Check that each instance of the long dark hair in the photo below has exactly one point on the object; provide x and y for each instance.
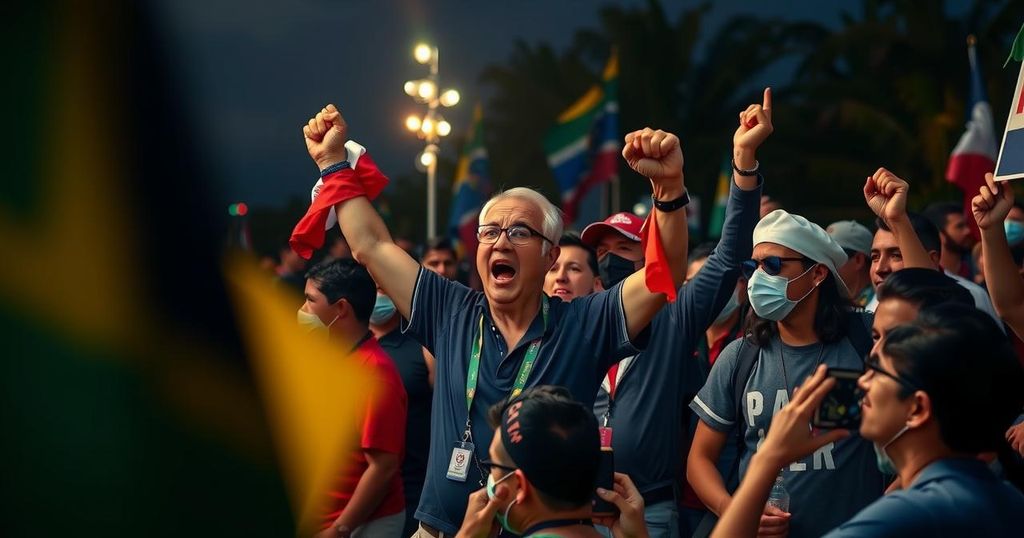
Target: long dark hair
(829, 319)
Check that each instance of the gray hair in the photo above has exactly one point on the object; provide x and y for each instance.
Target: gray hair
(552, 225)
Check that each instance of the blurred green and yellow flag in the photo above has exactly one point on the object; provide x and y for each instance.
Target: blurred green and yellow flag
(149, 386)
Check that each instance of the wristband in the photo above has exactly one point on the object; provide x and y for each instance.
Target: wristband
(748, 173)
(334, 168)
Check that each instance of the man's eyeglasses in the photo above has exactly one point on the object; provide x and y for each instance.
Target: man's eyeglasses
(771, 265)
(872, 363)
(487, 465)
(518, 234)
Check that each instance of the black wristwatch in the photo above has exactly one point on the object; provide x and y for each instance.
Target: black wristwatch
(671, 205)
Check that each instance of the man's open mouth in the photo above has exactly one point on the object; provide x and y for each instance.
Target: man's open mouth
(502, 272)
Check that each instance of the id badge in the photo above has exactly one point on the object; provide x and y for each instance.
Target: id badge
(458, 467)
(606, 436)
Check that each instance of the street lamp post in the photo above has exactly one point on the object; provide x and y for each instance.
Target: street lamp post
(432, 126)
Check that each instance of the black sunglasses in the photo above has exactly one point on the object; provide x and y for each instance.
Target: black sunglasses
(771, 265)
(872, 363)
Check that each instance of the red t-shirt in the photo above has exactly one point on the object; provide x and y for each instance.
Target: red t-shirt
(383, 429)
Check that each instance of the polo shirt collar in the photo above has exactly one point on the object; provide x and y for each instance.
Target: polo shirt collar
(949, 467)
(534, 331)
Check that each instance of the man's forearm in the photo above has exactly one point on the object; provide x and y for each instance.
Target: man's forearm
(672, 227)
(1002, 276)
(391, 267)
(742, 516)
(362, 227)
(373, 486)
(707, 483)
(913, 251)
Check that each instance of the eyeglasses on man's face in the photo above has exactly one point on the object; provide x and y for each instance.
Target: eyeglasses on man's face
(518, 234)
(873, 363)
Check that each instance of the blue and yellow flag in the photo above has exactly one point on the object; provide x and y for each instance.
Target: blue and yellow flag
(584, 146)
(470, 188)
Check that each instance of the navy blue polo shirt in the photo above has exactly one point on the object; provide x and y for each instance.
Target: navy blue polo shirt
(950, 497)
(583, 338)
(649, 411)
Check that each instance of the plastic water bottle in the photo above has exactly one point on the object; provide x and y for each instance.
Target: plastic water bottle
(779, 497)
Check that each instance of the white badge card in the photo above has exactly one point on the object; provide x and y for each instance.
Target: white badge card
(458, 467)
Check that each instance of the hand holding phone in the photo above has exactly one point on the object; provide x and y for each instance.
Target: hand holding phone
(841, 406)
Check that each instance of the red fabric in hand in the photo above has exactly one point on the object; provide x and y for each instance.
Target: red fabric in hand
(658, 272)
(346, 184)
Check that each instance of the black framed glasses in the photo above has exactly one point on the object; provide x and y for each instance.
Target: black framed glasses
(771, 265)
(872, 363)
(518, 234)
(487, 465)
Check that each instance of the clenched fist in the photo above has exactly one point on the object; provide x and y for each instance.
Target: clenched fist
(992, 204)
(326, 134)
(658, 156)
(886, 195)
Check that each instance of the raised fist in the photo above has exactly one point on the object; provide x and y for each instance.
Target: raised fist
(992, 204)
(755, 124)
(655, 155)
(886, 195)
(326, 134)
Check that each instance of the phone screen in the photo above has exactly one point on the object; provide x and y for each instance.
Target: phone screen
(841, 406)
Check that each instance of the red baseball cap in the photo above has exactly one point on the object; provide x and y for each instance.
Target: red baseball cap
(625, 224)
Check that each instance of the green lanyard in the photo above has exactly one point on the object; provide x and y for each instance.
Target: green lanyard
(529, 360)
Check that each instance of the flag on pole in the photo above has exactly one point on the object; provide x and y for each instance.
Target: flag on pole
(1017, 50)
(975, 153)
(472, 184)
(721, 198)
(584, 145)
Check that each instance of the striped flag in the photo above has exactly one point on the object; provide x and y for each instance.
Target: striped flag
(721, 198)
(975, 153)
(471, 185)
(584, 145)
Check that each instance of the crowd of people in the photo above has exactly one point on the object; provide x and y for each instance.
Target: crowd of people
(615, 382)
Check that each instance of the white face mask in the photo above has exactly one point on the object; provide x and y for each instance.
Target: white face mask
(312, 323)
(768, 294)
(882, 460)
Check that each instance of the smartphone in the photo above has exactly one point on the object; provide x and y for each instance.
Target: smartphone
(841, 406)
(606, 480)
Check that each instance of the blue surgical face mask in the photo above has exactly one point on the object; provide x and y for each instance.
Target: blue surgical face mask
(1014, 231)
(491, 494)
(383, 310)
(768, 294)
(729, 308)
(882, 459)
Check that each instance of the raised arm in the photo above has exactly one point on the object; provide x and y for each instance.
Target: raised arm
(393, 269)
(886, 195)
(1005, 285)
(656, 155)
(705, 295)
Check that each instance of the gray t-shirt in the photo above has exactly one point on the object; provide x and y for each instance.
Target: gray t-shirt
(826, 488)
